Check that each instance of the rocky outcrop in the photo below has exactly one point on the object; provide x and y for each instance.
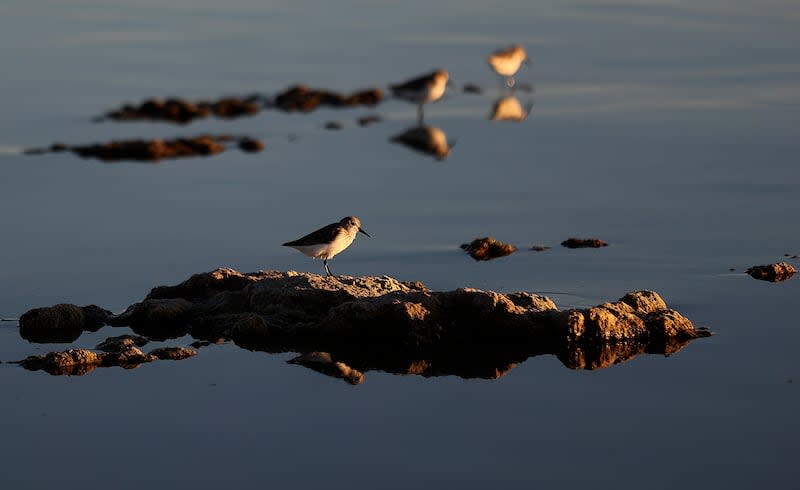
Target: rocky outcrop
(777, 272)
(61, 323)
(347, 326)
(156, 149)
(488, 248)
(303, 99)
(183, 111)
(583, 243)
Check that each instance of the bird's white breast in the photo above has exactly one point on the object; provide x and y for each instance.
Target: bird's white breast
(326, 251)
(436, 90)
(505, 65)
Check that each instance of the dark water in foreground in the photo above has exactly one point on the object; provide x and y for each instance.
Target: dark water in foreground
(668, 129)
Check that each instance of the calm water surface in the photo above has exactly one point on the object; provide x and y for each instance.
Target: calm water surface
(667, 128)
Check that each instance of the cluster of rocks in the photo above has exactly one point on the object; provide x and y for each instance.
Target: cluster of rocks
(122, 351)
(183, 111)
(156, 149)
(349, 325)
(303, 99)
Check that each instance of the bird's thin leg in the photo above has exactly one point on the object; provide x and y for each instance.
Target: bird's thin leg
(420, 115)
(328, 271)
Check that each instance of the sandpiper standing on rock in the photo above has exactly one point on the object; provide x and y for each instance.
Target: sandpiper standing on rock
(427, 88)
(506, 62)
(329, 240)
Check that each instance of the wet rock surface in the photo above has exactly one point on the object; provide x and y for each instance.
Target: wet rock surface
(303, 99)
(182, 111)
(583, 243)
(369, 120)
(173, 353)
(250, 145)
(777, 272)
(148, 150)
(488, 248)
(345, 326)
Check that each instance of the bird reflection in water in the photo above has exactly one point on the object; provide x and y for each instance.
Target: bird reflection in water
(509, 108)
(428, 140)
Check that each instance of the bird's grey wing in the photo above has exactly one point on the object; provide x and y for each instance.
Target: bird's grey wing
(325, 234)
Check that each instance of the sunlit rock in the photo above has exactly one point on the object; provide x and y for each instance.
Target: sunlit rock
(777, 272)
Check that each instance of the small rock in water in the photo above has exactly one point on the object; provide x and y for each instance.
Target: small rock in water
(369, 120)
(250, 145)
(323, 362)
(488, 248)
(539, 248)
(777, 272)
(584, 243)
(121, 343)
(301, 98)
(333, 125)
(471, 88)
(173, 353)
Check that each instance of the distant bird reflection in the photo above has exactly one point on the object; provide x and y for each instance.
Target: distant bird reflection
(428, 140)
(427, 88)
(506, 62)
(509, 108)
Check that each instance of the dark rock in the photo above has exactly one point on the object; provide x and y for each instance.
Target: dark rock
(333, 125)
(428, 140)
(369, 120)
(777, 272)
(584, 243)
(61, 323)
(539, 248)
(173, 353)
(304, 99)
(58, 147)
(251, 145)
(488, 248)
(471, 88)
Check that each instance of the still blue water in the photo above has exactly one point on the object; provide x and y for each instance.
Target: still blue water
(667, 128)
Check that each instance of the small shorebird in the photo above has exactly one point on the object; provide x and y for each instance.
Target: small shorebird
(427, 88)
(506, 62)
(329, 240)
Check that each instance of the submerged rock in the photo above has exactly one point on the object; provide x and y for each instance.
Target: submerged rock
(304, 99)
(488, 248)
(334, 126)
(61, 323)
(777, 272)
(351, 325)
(540, 248)
(121, 343)
(583, 243)
(471, 88)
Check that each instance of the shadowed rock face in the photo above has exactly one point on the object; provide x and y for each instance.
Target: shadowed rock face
(778, 272)
(350, 325)
(488, 248)
(183, 111)
(304, 99)
(61, 323)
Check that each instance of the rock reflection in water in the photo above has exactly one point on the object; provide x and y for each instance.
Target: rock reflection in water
(509, 108)
(428, 140)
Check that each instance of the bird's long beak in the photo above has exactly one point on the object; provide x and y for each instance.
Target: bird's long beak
(364, 232)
